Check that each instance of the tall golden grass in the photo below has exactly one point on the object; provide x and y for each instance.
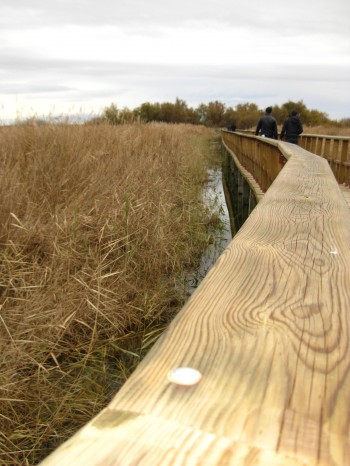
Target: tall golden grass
(97, 226)
(328, 130)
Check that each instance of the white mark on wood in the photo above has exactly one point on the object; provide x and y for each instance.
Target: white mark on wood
(184, 376)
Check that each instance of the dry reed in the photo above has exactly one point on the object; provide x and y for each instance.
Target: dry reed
(97, 226)
(328, 130)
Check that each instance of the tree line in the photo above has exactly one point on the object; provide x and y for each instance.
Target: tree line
(213, 114)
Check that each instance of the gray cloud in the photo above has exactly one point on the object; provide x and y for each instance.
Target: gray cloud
(27, 71)
(110, 12)
(288, 19)
(30, 87)
(321, 87)
(27, 67)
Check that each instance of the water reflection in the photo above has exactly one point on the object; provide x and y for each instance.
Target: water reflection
(221, 234)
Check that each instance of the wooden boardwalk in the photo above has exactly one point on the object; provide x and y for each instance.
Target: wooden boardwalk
(345, 190)
(268, 331)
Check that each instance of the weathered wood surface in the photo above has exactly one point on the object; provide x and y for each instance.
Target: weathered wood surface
(269, 330)
(258, 155)
(336, 149)
(254, 186)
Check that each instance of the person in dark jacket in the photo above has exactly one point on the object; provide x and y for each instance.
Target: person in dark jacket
(292, 127)
(267, 125)
(231, 127)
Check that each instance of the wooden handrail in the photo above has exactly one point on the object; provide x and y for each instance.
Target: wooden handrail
(335, 149)
(268, 330)
(262, 157)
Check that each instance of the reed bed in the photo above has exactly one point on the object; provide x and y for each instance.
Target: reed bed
(328, 130)
(97, 226)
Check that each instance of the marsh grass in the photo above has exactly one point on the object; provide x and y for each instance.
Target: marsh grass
(328, 130)
(97, 226)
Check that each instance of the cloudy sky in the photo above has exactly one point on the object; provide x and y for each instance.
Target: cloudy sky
(79, 56)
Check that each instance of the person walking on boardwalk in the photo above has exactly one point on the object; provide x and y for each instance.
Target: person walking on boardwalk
(292, 127)
(267, 125)
(231, 127)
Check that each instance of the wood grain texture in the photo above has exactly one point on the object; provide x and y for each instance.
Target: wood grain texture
(269, 330)
(336, 149)
(258, 155)
(346, 193)
(253, 185)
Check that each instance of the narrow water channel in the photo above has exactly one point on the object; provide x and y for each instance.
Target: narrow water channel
(221, 234)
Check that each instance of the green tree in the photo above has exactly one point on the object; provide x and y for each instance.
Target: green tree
(315, 118)
(177, 112)
(149, 112)
(110, 114)
(215, 114)
(280, 113)
(247, 115)
(126, 115)
(181, 111)
(202, 111)
(299, 106)
(166, 112)
(230, 116)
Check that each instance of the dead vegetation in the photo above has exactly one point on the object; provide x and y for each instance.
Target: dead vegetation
(97, 225)
(328, 130)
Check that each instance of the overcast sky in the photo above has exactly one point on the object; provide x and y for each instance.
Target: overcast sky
(79, 56)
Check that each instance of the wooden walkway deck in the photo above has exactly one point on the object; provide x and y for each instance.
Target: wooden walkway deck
(345, 190)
